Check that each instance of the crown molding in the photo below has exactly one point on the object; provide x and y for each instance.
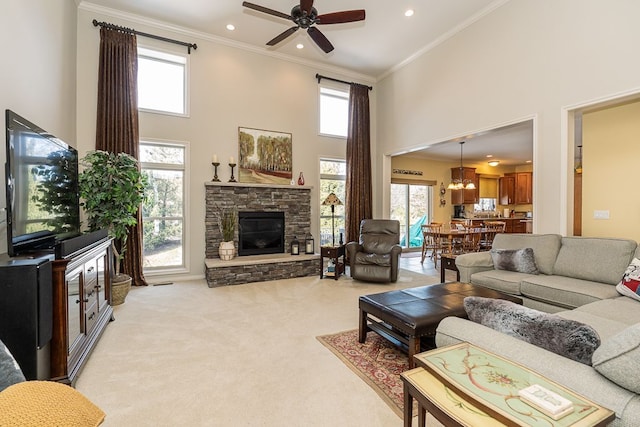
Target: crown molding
(161, 25)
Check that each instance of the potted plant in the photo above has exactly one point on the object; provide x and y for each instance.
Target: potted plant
(227, 220)
(112, 189)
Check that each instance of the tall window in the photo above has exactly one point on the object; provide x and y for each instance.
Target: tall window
(163, 210)
(333, 175)
(334, 111)
(162, 82)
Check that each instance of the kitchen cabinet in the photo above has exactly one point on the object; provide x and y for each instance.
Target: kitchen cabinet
(524, 188)
(516, 188)
(517, 226)
(461, 197)
(507, 189)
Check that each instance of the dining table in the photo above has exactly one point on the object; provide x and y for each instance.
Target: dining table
(453, 233)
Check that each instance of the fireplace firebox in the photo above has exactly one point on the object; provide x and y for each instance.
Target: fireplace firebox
(260, 233)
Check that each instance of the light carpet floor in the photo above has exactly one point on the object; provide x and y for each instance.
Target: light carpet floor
(244, 355)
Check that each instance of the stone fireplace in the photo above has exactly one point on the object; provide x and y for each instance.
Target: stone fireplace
(293, 202)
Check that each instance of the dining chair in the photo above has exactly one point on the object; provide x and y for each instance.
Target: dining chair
(472, 238)
(457, 242)
(491, 228)
(457, 224)
(431, 240)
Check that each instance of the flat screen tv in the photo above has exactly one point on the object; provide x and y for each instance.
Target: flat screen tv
(41, 172)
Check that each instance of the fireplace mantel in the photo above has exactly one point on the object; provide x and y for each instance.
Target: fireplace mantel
(256, 185)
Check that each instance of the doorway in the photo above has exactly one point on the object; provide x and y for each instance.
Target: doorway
(601, 140)
(411, 206)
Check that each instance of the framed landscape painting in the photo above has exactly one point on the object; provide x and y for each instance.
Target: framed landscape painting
(265, 156)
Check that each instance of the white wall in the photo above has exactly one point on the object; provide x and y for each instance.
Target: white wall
(37, 41)
(230, 87)
(527, 58)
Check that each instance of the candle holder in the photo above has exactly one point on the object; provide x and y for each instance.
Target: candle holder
(232, 179)
(215, 171)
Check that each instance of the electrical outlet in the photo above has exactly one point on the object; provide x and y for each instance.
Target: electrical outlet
(600, 214)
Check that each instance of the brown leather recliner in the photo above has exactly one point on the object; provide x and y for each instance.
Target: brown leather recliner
(375, 257)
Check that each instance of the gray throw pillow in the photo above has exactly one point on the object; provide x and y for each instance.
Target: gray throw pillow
(10, 372)
(617, 358)
(568, 338)
(520, 260)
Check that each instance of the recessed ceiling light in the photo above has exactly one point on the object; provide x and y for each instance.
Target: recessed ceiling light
(408, 12)
(489, 156)
(494, 163)
(300, 46)
(231, 27)
(529, 161)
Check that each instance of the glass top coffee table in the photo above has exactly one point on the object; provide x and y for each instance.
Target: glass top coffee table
(466, 385)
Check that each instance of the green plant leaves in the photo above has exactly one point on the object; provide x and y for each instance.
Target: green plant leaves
(112, 190)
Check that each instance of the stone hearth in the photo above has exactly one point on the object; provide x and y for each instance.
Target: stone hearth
(259, 268)
(293, 200)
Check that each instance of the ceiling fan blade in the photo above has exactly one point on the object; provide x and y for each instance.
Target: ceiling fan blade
(320, 39)
(266, 10)
(342, 17)
(277, 39)
(306, 5)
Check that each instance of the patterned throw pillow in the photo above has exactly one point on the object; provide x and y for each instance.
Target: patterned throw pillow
(630, 283)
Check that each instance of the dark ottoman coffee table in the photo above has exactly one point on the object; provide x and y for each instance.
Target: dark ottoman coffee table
(406, 316)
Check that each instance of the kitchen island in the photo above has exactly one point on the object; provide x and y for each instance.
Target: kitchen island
(516, 224)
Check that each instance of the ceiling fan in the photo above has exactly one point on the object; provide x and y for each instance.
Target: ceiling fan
(305, 16)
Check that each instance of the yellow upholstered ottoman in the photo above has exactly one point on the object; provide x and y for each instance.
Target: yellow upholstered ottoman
(45, 403)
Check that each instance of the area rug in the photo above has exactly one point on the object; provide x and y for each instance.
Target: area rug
(378, 362)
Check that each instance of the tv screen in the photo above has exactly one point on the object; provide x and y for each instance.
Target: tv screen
(42, 187)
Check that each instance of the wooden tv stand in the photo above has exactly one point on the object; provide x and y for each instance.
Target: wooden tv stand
(81, 307)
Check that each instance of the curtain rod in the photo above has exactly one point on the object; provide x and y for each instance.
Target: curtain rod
(151, 36)
(320, 77)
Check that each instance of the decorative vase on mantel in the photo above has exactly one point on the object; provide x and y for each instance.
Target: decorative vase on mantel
(227, 250)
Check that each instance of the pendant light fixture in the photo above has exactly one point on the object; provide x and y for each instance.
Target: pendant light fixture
(460, 183)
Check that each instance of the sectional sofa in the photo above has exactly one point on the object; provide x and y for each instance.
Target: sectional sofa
(575, 279)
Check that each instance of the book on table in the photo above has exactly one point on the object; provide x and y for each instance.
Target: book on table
(546, 401)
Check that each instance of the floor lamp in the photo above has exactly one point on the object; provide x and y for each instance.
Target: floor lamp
(333, 201)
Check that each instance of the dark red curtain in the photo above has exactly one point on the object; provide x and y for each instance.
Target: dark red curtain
(117, 122)
(358, 205)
